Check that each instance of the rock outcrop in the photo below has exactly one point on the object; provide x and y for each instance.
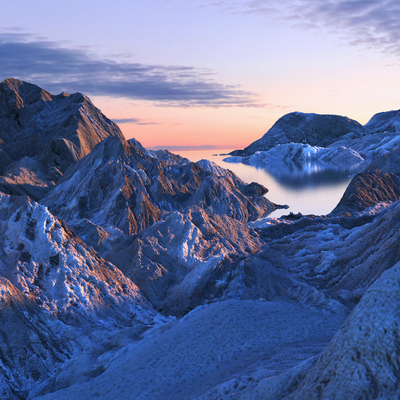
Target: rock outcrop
(388, 121)
(58, 296)
(313, 129)
(42, 134)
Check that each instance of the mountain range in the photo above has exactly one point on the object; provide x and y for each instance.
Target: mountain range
(137, 274)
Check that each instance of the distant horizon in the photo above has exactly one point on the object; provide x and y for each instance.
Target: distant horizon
(199, 147)
(186, 148)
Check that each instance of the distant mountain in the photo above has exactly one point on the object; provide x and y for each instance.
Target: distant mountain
(313, 129)
(388, 121)
(42, 134)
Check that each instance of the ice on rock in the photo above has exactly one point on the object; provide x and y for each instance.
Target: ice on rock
(303, 158)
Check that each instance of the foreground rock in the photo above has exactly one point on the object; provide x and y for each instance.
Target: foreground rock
(211, 345)
(58, 297)
(362, 358)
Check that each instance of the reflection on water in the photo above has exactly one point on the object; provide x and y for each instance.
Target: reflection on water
(316, 191)
(297, 176)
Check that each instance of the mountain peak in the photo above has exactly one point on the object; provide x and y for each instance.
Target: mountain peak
(50, 131)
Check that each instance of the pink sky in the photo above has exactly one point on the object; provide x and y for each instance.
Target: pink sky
(204, 72)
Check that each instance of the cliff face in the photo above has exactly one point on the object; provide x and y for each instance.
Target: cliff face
(41, 135)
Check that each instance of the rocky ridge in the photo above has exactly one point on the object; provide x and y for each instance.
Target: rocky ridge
(139, 274)
(43, 134)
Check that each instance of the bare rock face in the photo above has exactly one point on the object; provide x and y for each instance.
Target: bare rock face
(181, 261)
(44, 134)
(379, 182)
(367, 189)
(121, 188)
(314, 129)
(58, 297)
(361, 361)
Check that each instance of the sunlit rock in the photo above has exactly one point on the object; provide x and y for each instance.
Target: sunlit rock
(42, 134)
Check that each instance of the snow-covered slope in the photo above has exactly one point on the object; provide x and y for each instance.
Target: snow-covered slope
(58, 296)
(313, 129)
(294, 160)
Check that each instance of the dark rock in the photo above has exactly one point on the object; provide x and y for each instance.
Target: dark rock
(367, 189)
(254, 189)
(41, 135)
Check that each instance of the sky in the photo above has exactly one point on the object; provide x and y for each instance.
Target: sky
(201, 73)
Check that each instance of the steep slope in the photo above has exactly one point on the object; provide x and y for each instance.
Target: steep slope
(362, 359)
(120, 189)
(184, 260)
(58, 297)
(41, 135)
(379, 182)
(388, 121)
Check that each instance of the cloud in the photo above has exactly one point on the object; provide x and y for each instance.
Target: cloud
(136, 121)
(371, 23)
(57, 68)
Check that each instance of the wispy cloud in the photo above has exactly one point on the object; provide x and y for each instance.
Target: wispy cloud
(135, 121)
(57, 68)
(372, 23)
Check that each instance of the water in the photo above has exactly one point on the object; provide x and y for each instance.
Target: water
(303, 192)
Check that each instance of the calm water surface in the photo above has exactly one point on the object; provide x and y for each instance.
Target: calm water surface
(306, 193)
